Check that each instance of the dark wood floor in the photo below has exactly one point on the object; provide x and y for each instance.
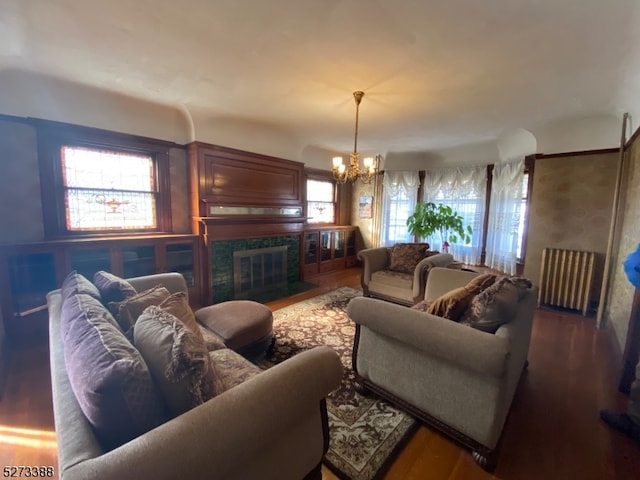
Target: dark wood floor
(553, 431)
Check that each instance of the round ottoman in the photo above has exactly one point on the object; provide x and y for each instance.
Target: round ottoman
(244, 326)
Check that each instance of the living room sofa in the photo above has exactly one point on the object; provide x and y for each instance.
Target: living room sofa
(272, 425)
(404, 286)
(458, 379)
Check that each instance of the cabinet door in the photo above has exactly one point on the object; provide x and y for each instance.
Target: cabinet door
(180, 257)
(326, 251)
(311, 256)
(88, 261)
(350, 241)
(138, 261)
(31, 277)
(338, 249)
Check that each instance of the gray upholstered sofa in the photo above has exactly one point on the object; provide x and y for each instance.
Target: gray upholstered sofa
(458, 379)
(273, 425)
(380, 281)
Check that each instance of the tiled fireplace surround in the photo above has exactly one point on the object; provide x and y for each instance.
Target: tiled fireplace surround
(221, 254)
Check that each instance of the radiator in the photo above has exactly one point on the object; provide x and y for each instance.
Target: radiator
(566, 277)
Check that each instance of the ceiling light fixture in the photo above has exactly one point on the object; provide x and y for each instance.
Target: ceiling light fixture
(352, 172)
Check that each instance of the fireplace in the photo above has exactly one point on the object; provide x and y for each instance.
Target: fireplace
(223, 257)
(259, 270)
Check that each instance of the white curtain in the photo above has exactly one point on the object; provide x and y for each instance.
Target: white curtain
(464, 190)
(504, 216)
(399, 197)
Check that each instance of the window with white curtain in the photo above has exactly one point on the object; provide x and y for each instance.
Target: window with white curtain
(464, 190)
(399, 197)
(506, 216)
(523, 216)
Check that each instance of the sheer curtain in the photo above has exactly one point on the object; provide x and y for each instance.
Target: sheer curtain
(399, 197)
(504, 216)
(464, 190)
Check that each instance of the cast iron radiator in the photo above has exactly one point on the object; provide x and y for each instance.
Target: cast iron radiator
(566, 277)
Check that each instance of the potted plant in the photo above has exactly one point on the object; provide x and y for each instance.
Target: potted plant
(429, 218)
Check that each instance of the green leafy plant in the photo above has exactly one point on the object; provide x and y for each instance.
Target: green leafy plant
(429, 218)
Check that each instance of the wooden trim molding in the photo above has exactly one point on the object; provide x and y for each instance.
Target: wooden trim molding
(52, 135)
(577, 153)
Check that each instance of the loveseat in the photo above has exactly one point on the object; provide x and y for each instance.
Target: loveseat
(458, 379)
(399, 273)
(271, 425)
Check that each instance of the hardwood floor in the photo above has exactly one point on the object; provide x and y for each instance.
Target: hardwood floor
(553, 431)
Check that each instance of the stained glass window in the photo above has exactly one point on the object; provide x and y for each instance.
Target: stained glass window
(320, 201)
(108, 190)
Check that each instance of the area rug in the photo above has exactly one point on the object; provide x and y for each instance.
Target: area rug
(365, 433)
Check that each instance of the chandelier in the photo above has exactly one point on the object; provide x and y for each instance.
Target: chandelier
(352, 172)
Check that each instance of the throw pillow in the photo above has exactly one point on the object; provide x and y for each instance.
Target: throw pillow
(422, 306)
(405, 256)
(108, 376)
(76, 283)
(128, 310)
(178, 360)
(496, 305)
(452, 304)
(74, 307)
(177, 305)
(112, 288)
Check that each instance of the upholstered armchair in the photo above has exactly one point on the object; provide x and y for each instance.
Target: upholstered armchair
(399, 273)
(457, 376)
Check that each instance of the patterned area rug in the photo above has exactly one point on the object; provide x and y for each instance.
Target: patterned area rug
(365, 432)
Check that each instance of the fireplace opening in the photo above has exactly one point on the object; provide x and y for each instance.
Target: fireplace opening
(259, 270)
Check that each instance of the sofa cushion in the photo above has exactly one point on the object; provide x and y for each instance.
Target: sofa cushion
(75, 283)
(405, 256)
(108, 376)
(496, 305)
(128, 310)
(112, 288)
(393, 279)
(231, 368)
(178, 359)
(453, 304)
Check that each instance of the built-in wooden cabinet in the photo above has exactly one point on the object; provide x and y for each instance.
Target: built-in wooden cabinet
(327, 249)
(29, 271)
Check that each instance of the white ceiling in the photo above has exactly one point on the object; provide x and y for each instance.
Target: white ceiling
(436, 74)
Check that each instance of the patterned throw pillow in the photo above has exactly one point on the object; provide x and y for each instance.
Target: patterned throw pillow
(178, 359)
(453, 304)
(405, 256)
(496, 305)
(108, 376)
(76, 283)
(128, 310)
(112, 288)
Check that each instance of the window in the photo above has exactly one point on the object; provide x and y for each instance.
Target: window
(107, 190)
(100, 182)
(523, 217)
(463, 189)
(400, 194)
(397, 211)
(321, 201)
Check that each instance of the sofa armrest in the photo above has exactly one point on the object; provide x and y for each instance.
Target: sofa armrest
(245, 432)
(422, 271)
(173, 281)
(472, 349)
(373, 259)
